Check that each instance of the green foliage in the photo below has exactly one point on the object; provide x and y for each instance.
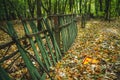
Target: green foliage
(28, 8)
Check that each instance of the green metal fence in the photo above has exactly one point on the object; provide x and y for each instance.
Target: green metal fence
(57, 35)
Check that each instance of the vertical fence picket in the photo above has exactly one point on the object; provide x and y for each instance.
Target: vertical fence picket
(4, 75)
(59, 34)
(33, 71)
(40, 43)
(57, 50)
(49, 44)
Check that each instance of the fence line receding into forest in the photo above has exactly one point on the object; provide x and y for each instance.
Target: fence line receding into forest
(44, 48)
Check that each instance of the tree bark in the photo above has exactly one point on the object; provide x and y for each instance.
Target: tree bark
(100, 2)
(107, 9)
(5, 8)
(31, 7)
(96, 7)
(39, 14)
(80, 6)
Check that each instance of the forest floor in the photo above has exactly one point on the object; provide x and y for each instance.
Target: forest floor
(95, 54)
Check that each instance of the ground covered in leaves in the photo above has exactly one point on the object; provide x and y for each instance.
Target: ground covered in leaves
(95, 55)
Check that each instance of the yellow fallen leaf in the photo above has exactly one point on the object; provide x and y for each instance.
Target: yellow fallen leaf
(90, 60)
(86, 60)
(58, 77)
(94, 61)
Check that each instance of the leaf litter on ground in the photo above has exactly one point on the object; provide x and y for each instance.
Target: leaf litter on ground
(95, 54)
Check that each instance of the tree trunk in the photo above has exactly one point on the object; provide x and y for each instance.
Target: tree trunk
(31, 6)
(89, 10)
(71, 3)
(83, 21)
(107, 9)
(55, 7)
(80, 6)
(118, 7)
(64, 7)
(39, 14)
(100, 2)
(49, 8)
(96, 7)
(5, 8)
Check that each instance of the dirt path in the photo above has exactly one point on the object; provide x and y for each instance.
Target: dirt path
(95, 55)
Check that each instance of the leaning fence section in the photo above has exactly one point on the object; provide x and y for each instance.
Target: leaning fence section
(43, 49)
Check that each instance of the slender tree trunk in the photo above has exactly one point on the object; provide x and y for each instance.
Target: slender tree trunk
(59, 6)
(83, 18)
(64, 7)
(39, 14)
(5, 8)
(118, 7)
(85, 5)
(80, 6)
(100, 2)
(71, 3)
(96, 7)
(49, 7)
(89, 9)
(31, 6)
(55, 7)
(25, 13)
(83, 21)
(107, 9)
